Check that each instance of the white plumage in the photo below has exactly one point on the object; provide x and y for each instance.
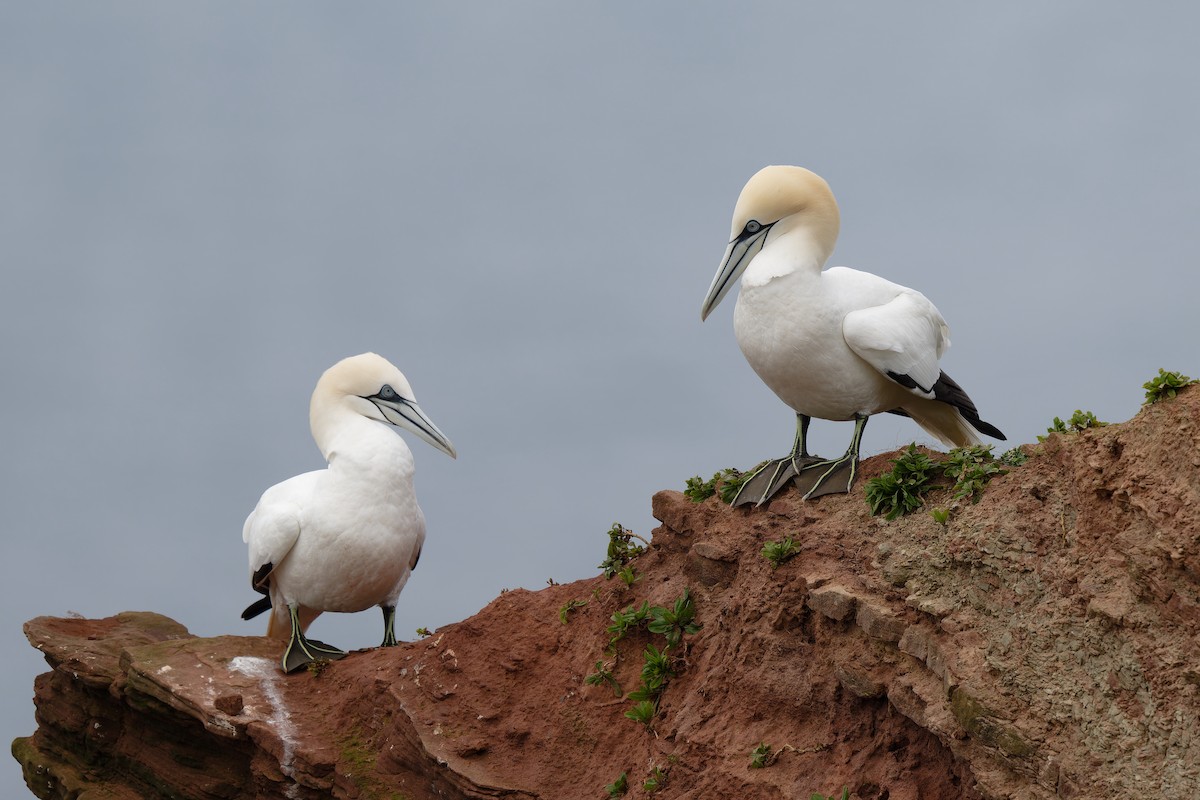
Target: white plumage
(838, 344)
(346, 537)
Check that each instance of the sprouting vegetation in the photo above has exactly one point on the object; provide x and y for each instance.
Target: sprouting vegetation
(603, 674)
(621, 549)
(643, 711)
(564, 613)
(844, 796)
(899, 491)
(629, 617)
(971, 468)
(779, 552)
(1015, 457)
(655, 781)
(618, 787)
(1079, 421)
(915, 474)
(628, 576)
(1165, 386)
(725, 484)
(674, 622)
(761, 756)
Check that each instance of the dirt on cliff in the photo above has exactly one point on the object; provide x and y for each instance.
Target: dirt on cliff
(1040, 643)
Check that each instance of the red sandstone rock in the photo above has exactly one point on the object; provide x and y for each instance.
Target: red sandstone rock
(1044, 643)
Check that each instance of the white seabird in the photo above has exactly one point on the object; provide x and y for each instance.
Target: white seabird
(346, 537)
(837, 344)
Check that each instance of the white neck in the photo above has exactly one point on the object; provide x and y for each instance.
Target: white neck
(798, 249)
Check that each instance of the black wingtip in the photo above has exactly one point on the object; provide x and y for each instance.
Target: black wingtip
(257, 607)
(987, 429)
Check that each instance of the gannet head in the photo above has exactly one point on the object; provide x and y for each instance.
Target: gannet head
(776, 201)
(370, 386)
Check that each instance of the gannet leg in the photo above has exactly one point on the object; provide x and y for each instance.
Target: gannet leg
(302, 651)
(835, 476)
(389, 626)
(765, 482)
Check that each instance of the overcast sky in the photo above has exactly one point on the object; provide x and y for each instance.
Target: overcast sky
(202, 207)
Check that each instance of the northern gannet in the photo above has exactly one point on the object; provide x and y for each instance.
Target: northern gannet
(346, 537)
(837, 344)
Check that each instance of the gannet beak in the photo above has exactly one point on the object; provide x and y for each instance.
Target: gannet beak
(404, 413)
(739, 253)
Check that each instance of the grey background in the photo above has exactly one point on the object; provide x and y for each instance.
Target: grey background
(204, 206)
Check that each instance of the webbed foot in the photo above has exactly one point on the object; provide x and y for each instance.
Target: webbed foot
(302, 651)
(769, 479)
(835, 476)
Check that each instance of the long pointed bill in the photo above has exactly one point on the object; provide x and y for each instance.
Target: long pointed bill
(739, 254)
(408, 415)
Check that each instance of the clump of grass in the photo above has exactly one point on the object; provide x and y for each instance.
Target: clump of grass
(1014, 458)
(724, 483)
(779, 552)
(618, 787)
(621, 549)
(761, 756)
(1165, 386)
(643, 711)
(603, 675)
(675, 621)
(629, 617)
(1079, 421)
(845, 795)
(899, 491)
(568, 607)
(971, 468)
(656, 780)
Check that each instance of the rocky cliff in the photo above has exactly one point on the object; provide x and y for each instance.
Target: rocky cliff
(1040, 643)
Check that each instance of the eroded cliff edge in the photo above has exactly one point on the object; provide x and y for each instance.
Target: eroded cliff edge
(1044, 642)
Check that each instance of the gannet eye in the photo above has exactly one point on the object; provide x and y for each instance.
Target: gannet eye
(753, 226)
(388, 393)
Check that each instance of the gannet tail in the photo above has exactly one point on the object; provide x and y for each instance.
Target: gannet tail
(950, 416)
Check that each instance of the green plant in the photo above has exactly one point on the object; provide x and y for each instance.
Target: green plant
(676, 621)
(571, 605)
(845, 795)
(724, 483)
(658, 777)
(899, 491)
(656, 668)
(628, 576)
(698, 490)
(642, 711)
(1014, 458)
(619, 786)
(779, 552)
(423, 632)
(1080, 420)
(940, 515)
(971, 468)
(731, 481)
(630, 617)
(1165, 385)
(317, 666)
(603, 675)
(761, 756)
(620, 549)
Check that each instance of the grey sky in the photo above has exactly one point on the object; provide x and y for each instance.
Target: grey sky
(202, 207)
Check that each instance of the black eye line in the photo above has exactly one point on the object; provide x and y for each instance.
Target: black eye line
(748, 234)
